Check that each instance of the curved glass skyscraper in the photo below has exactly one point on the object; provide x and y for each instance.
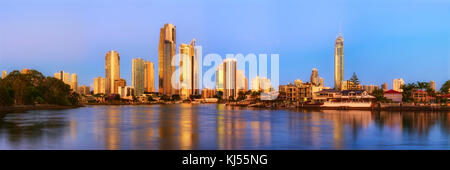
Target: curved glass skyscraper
(339, 62)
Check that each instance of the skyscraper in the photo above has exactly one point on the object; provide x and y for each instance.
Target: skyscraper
(339, 62)
(321, 82)
(74, 82)
(229, 70)
(397, 84)
(4, 74)
(189, 70)
(315, 77)
(138, 75)
(149, 70)
(167, 49)
(112, 70)
(99, 85)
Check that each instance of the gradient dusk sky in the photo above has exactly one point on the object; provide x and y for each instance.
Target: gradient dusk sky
(383, 39)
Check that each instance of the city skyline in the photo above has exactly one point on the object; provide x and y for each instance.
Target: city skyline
(363, 46)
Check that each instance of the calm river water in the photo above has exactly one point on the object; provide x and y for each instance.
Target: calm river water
(211, 126)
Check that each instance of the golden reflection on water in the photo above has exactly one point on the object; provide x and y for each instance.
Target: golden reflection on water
(188, 126)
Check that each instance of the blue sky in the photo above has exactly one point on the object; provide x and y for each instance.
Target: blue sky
(407, 39)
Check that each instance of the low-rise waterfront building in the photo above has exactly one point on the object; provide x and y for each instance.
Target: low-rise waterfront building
(394, 96)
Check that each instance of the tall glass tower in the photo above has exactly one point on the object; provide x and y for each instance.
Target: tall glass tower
(112, 70)
(339, 62)
(167, 46)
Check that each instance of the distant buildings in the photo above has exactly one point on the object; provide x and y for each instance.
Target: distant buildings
(149, 70)
(99, 85)
(167, 49)
(397, 84)
(84, 90)
(112, 71)
(138, 75)
(384, 86)
(433, 85)
(315, 77)
(298, 82)
(254, 84)
(339, 62)
(369, 88)
(241, 81)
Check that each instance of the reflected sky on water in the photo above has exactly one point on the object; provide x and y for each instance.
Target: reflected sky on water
(211, 126)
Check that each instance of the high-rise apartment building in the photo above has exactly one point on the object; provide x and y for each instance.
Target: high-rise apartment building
(241, 81)
(397, 84)
(167, 51)
(229, 70)
(149, 73)
(219, 78)
(112, 70)
(315, 77)
(433, 85)
(321, 82)
(99, 85)
(339, 62)
(189, 70)
(4, 74)
(65, 77)
(74, 82)
(138, 75)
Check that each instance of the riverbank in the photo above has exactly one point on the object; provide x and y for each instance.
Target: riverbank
(23, 108)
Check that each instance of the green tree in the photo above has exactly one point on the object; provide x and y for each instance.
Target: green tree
(379, 94)
(241, 96)
(445, 87)
(354, 81)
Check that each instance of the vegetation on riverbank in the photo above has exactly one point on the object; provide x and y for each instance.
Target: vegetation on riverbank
(32, 87)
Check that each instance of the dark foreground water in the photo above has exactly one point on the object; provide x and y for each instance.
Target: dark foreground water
(219, 127)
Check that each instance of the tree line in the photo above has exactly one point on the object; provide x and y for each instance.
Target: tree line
(34, 88)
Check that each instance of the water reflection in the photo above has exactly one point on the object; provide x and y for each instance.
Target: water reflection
(213, 126)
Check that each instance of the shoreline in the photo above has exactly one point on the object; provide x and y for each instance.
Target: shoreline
(15, 109)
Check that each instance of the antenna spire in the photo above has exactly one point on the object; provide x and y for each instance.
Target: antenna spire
(340, 27)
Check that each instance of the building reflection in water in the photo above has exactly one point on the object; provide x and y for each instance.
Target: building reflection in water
(185, 126)
(242, 128)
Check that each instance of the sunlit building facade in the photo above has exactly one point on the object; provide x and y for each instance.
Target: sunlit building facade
(74, 82)
(112, 70)
(219, 78)
(229, 70)
(339, 62)
(167, 51)
(138, 75)
(315, 77)
(149, 74)
(99, 85)
(4, 74)
(189, 70)
(64, 76)
(397, 84)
